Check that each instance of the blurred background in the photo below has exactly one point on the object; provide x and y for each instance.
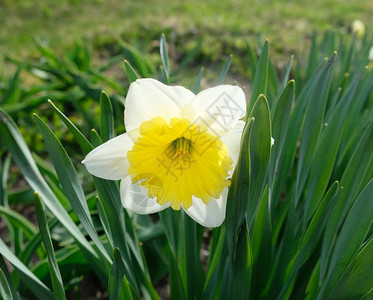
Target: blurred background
(220, 27)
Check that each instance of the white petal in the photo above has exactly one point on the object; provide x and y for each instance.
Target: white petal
(219, 108)
(210, 215)
(109, 160)
(148, 98)
(233, 142)
(135, 198)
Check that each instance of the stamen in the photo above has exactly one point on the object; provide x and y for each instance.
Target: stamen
(182, 146)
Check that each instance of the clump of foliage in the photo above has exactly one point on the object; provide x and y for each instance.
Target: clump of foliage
(299, 214)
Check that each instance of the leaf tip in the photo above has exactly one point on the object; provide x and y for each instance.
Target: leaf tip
(292, 82)
(262, 97)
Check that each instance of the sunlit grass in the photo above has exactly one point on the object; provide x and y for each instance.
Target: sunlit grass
(224, 25)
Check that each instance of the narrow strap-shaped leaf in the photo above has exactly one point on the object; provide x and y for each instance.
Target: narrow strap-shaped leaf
(292, 135)
(225, 69)
(55, 274)
(352, 181)
(104, 220)
(242, 267)
(36, 286)
(332, 104)
(169, 221)
(95, 138)
(27, 253)
(197, 85)
(262, 248)
(5, 291)
(357, 280)
(280, 122)
(261, 77)
(286, 249)
(317, 224)
(70, 183)
(346, 63)
(285, 78)
(260, 152)
(354, 116)
(8, 278)
(273, 83)
(313, 284)
(106, 117)
(313, 124)
(195, 275)
(13, 90)
(137, 59)
(176, 283)
(226, 290)
(310, 239)
(216, 261)
(46, 168)
(239, 190)
(326, 153)
(79, 137)
(47, 52)
(350, 239)
(19, 221)
(110, 200)
(313, 57)
(164, 57)
(23, 158)
(253, 60)
(130, 72)
(118, 287)
(4, 166)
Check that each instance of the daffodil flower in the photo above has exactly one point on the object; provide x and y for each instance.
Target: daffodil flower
(179, 150)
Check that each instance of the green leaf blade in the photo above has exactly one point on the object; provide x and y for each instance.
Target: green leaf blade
(164, 57)
(357, 281)
(39, 289)
(260, 152)
(55, 274)
(350, 239)
(106, 118)
(23, 158)
(70, 183)
(5, 291)
(261, 77)
(132, 76)
(225, 69)
(118, 285)
(239, 190)
(313, 123)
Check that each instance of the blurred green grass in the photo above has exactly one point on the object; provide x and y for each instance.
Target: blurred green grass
(225, 26)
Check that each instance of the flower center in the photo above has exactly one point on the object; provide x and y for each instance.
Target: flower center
(181, 146)
(186, 158)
